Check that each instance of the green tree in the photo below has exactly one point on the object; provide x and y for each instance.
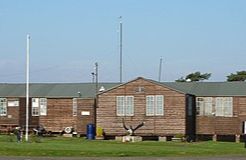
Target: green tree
(239, 76)
(194, 77)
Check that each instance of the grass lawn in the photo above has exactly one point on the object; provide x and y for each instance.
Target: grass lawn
(77, 147)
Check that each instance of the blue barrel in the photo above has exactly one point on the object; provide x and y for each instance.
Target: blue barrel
(90, 134)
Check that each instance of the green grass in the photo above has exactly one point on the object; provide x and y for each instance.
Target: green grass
(77, 147)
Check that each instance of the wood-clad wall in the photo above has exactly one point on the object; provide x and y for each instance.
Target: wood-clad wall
(12, 117)
(60, 115)
(85, 105)
(33, 120)
(224, 125)
(173, 121)
(11, 120)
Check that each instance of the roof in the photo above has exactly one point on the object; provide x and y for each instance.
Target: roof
(87, 90)
(209, 88)
(53, 90)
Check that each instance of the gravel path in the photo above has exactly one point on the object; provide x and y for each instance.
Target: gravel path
(123, 158)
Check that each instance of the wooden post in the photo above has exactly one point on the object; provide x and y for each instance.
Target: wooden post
(214, 137)
(244, 133)
(244, 140)
(237, 136)
(162, 139)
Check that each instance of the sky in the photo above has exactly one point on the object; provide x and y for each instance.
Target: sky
(69, 36)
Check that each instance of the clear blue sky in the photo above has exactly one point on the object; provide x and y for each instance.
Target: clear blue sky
(69, 36)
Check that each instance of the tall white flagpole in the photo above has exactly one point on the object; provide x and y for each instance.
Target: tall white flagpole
(27, 84)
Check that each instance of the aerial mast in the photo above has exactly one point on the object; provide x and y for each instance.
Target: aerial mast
(120, 50)
(160, 67)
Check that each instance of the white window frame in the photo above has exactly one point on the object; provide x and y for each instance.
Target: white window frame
(155, 105)
(3, 106)
(43, 106)
(39, 107)
(224, 106)
(150, 105)
(199, 105)
(205, 106)
(159, 106)
(75, 106)
(35, 106)
(208, 106)
(125, 105)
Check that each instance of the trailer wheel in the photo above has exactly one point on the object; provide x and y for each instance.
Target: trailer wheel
(68, 130)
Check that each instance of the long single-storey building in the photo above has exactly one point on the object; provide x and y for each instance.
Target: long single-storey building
(192, 109)
(54, 106)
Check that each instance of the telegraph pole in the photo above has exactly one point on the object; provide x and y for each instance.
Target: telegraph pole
(96, 74)
(96, 99)
(121, 25)
(27, 85)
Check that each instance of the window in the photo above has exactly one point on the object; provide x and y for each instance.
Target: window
(150, 105)
(204, 106)
(43, 106)
(220, 106)
(155, 105)
(39, 106)
(35, 106)
(223, 106)
(75, 106)
(13, 102)
(3, 106)
(125, 105)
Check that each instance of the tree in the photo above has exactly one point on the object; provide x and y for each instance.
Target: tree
(194, 77)
(239, 76)
(181, 80)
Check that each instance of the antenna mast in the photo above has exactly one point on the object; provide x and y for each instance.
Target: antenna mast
(160, 67)
(120, 48)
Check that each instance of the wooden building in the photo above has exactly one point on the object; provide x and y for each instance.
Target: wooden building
(204, 109)
(220, 108)
(54, 106)
(201, 109)
(165, 111)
